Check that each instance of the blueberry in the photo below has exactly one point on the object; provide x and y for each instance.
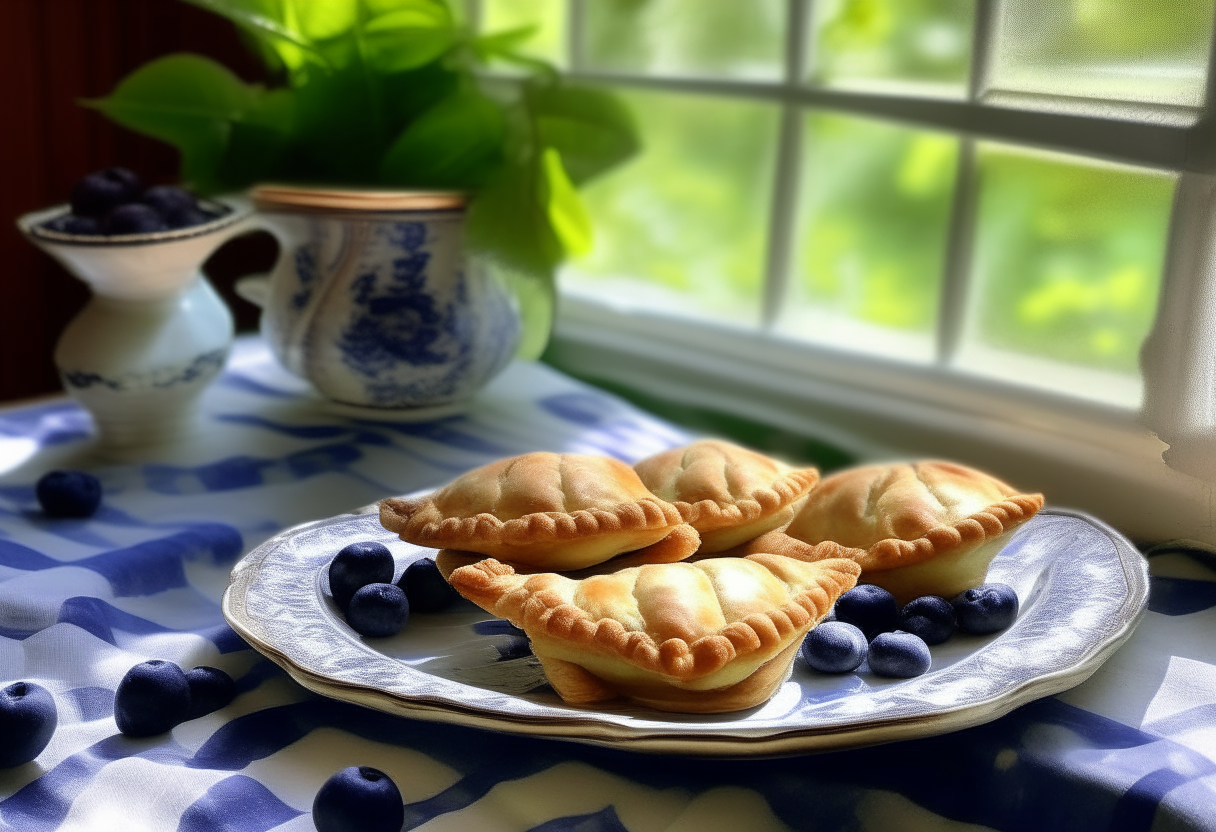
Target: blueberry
(153, 697)
(870, 608)
(27, 722)
(133, 218)
(426, 588)
(358, 565)
(190, 217)
(168, 200)
(98, 193)
(210, 690)
(834, 647)
(378, 610)
(72, 224)
(358, 799)
(930, 617)
(899, 654)
(986, 609)
(68, 494)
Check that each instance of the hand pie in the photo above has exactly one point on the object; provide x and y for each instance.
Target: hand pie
(547, 511)
(713, 636)
(925, 528)
(727, 493)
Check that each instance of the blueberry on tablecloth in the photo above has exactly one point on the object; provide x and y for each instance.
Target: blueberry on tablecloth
(870, 608)
(986, 609)
(152, 698)
(358, 799)
(834, 647)
(68, 493)
(357, 565)
(931, 617)
(899, 654)
(27, 722)
(378, 610)
(210, 690)
(426, 588)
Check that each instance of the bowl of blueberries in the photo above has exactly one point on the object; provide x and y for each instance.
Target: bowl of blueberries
(113, 203)
(155, 333)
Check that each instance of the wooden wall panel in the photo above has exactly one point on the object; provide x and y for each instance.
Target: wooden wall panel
(52, 53)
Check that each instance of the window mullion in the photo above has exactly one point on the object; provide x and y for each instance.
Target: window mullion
(473, 13)
(983, 35)
(956, 272)
(576, 23)
(785, 171)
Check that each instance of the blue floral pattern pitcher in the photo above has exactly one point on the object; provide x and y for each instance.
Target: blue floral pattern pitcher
(374, 301)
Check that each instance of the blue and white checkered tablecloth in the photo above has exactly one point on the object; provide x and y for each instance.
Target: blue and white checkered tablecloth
(81, 601)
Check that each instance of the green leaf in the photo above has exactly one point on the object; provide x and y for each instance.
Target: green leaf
(502, 44)
(453, 144)
(566, 212)
(508, 223)
(270, 25)
(186, 100)
(591, 128)
(537, 301)
(257, 144)
(413, 34)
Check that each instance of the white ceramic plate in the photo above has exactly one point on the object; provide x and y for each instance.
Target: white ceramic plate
(1082, 587)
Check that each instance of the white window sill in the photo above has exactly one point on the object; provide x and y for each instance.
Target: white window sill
(1082, 455)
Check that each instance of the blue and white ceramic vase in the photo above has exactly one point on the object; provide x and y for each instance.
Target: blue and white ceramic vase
(154, 334)
(374, 301)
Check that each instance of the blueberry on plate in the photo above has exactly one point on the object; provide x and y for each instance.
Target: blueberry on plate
(357, 565)
(133, 218)
(426, 588)
(27, 722)
(870, 608)
(378, 610)
(931, 617)
(210, 690)
(152, 698)
(68, 493)
(98, 193)
(834, 647)
(986, 609)
(72, 224)
(899, 654)
(358, 799)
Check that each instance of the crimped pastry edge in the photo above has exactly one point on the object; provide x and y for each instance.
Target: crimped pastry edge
(420, 522)
(545, 613)
(893, 553)
(711, 515)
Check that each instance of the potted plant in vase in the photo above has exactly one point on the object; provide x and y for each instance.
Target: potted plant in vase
(380, 154)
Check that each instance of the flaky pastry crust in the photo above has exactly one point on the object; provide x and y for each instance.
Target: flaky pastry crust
(682, 636)
(924, 528)
(552, 511)
(727, 493)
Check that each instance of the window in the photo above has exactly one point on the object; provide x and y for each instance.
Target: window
(990, 213)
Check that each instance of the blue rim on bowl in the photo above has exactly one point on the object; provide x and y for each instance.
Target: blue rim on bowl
(233, 211)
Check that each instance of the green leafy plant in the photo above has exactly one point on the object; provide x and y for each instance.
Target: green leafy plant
(388, 93)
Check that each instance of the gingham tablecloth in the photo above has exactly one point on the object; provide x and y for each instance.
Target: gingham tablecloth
(81, 601)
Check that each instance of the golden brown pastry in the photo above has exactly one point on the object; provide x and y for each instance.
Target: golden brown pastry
(727, 493)
(713, 636)
(924, 528)
(546, 511)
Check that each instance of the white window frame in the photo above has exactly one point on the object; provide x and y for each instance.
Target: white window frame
(1084, 454)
